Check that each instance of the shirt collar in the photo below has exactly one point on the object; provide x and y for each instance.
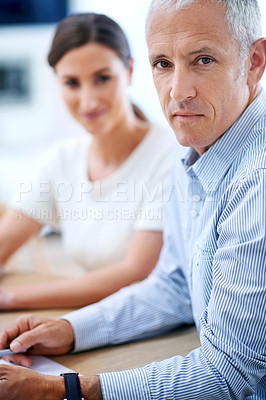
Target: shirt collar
(212, 166)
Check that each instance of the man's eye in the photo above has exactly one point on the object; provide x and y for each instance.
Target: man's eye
(204, 60)
(161, 64)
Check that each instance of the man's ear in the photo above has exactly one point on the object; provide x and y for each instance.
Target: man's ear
(257, 61)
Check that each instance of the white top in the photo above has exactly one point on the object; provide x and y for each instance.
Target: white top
(97, 219)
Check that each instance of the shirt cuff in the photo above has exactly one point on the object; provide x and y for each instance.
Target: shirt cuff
(89, 328)
(130, 384)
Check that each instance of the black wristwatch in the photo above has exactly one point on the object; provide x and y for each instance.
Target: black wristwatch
(72, 385)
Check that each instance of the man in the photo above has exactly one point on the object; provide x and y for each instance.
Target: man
(207, 58)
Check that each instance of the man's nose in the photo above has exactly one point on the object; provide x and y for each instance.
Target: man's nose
(182, 87)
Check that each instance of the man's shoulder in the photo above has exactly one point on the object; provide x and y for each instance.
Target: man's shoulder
(252, 158)
(254, 155)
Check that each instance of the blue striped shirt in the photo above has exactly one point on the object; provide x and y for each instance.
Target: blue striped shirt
(211, 271)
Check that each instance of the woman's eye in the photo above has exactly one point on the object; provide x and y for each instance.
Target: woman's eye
(162, 64)
(72, 83)
(204, 60)
(103, 78)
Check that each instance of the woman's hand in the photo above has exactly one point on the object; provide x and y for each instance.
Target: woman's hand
(24, 384)
(41, 335)
(7, 298)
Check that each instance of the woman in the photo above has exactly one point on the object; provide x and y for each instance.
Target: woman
(105, 192)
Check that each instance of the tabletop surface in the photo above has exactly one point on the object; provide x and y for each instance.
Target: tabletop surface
(112, 358)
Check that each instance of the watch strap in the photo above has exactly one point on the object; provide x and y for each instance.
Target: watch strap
(72, 386)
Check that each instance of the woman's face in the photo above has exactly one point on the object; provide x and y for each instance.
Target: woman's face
(94, 84)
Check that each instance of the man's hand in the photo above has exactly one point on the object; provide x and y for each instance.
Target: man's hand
(24, 384)
(41, 335)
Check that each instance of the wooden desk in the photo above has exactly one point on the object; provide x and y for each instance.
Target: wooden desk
(115, 358)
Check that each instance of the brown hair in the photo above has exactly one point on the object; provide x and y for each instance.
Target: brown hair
(79, 29)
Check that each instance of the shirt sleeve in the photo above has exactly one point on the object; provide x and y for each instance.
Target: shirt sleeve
(130, 314)
(231, 362)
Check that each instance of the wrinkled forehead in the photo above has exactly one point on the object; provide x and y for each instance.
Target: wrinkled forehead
(201, 22)
(172, 6)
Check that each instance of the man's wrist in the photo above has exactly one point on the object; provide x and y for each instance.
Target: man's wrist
(54, 388)
(91, 387)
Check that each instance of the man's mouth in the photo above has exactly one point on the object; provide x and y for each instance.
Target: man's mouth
(186, 115)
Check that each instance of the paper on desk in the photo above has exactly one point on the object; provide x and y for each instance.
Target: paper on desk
(44, 365)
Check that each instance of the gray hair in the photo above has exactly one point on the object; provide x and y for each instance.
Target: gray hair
(243, 18)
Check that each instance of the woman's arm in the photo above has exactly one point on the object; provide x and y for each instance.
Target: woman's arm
(15, 229)
(138, 262)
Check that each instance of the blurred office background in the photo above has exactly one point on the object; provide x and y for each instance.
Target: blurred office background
(32, 115)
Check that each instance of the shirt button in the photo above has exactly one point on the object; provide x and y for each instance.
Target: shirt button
(196, 198)
(194, 213)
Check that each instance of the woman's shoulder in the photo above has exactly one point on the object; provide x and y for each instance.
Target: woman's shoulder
(160, 141)
(62, 157)
(162, 146)
(67, 150)
(162, 135)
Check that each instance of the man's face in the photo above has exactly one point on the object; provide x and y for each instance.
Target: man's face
(196, 71)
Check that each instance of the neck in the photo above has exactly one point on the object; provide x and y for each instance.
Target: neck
(109, 151)
(254, 92)
(115, 147)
